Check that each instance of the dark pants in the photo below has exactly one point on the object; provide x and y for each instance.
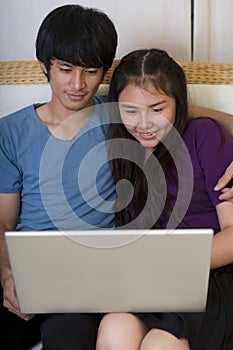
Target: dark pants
(57, 331)
(70, 331)
(15, 333)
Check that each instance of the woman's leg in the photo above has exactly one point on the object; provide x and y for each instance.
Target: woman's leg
(120, 331)
(157, 339)
(70, 331)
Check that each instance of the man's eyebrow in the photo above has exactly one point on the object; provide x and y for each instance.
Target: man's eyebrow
(67, 64)
(64, 63)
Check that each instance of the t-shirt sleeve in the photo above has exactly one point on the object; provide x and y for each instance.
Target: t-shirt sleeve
(10, 177)
(215, 153)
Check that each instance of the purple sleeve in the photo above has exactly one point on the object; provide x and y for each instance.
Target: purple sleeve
(215, 153)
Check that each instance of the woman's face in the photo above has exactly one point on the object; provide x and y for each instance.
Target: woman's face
(147, 114)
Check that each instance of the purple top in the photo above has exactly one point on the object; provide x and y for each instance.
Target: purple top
(211, 150)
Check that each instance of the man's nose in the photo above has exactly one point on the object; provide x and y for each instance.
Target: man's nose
(77, 81)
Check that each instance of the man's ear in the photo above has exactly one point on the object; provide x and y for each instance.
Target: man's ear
(44, 70)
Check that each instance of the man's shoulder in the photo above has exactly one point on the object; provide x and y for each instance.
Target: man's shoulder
(19, 115)
(18, 112)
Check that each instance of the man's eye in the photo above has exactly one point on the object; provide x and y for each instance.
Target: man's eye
(91, 71)
(65, 69)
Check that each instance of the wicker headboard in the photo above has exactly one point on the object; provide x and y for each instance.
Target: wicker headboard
(23, 83)
(29, 72)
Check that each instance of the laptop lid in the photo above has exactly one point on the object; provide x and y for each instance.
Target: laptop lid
(111, 270)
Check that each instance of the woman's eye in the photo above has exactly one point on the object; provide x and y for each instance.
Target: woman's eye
(157, 110)
(131, 112)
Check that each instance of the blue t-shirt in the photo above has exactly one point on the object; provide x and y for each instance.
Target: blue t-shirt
(64, 185)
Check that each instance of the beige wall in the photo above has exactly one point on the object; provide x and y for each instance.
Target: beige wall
(147, 23)
(213, 31)
(159, 23)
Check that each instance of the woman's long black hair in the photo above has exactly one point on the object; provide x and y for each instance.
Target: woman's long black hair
(139, 68)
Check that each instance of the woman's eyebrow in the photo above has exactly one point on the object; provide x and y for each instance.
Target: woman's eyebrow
(129, 105)
(157, 104)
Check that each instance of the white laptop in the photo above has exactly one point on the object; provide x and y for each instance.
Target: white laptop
(111, 270)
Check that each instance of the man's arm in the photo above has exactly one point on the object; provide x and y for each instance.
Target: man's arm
(9, 213)
(224, 118)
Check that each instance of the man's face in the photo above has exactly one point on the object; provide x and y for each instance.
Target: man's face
(72, 86)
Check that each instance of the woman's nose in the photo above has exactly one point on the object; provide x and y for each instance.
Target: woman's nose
(144, 121)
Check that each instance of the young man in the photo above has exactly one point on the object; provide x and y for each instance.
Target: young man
(75, 46)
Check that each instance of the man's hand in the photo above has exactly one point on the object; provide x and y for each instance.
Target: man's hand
(9, 214)
(9, 297)
(227, 192)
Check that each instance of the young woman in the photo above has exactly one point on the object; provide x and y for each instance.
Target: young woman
(158, 143)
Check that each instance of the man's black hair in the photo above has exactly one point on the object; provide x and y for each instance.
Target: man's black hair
(79, 35)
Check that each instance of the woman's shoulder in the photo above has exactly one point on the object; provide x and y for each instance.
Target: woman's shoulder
(206, 133)
(202, 126)
(203, 122)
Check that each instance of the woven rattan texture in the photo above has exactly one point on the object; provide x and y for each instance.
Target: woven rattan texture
(29, 72)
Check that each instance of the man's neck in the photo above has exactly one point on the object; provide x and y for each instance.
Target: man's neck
(63, 123)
